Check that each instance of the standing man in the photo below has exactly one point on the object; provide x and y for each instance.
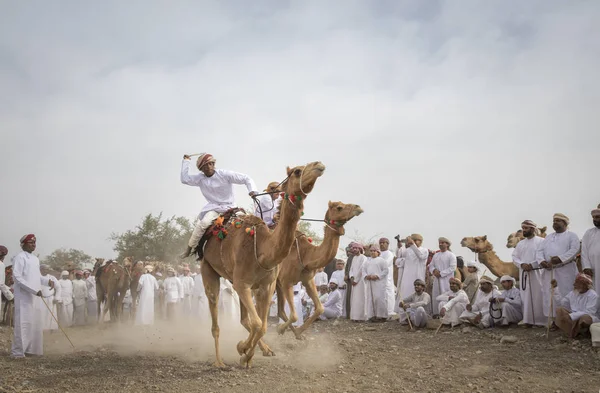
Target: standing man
(590, 250)
(200, 301)
(50, 295)
(92, 298)
(216, 186)
(358, 310)
(65, 308)
(442, 268)
(348, 300)
(375, 272)
(28, 334)
(556, 255)
(411, 263)
(187, 282)
(338, 275)
(388, 256)
(4, 289)
(524, 257)
(147, 285)
(80, 293)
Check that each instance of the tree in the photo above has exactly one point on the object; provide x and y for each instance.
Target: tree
(154, 239)
(306, 228)
(63, 259)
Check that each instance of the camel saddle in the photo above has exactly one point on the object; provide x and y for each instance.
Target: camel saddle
(217, 228)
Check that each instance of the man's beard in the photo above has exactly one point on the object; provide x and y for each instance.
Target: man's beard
(597, 224)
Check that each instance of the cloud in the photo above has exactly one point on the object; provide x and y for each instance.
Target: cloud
(437, 117)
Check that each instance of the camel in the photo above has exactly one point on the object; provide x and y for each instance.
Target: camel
(487, 256)
(134, 272)
(515, 237)
(250, 255)
(111, 285)
(304, 260)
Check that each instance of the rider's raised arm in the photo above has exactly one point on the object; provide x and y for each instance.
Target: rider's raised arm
(186, 178)
(240, 178)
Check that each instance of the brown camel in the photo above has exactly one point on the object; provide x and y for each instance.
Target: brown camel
(515, 237)
(111, 284)
(302, 265)
(487, 256)
(250, 256)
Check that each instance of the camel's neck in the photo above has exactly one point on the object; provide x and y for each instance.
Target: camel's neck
(284, 234)
(497, 266)
(319, 256)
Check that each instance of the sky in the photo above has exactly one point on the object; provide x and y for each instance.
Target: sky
(440, 117)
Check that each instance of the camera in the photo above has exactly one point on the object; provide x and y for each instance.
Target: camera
(401, 240)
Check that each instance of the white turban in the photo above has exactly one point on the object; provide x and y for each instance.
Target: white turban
(508, 278)
(334, 280)
(64, 273)
(472, 264)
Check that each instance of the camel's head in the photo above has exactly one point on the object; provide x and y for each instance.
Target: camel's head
(339, 213)
(542, 231)
(302, 179)
(514, 238)
(478, 244)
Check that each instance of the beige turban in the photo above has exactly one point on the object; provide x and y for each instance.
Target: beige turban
(529, 223)
(204, 159)
(560, 216)
(416, 236)
(596, 212)
(486, 279)
(456, 281)
(149, 268)
(273, 186)
(445, 240)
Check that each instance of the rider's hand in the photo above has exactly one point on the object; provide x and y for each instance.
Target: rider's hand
(186, 157)
(252, 193)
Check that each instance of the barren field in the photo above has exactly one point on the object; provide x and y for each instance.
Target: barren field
(336, 356)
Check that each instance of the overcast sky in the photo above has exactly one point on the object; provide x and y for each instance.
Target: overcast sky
(452, 119)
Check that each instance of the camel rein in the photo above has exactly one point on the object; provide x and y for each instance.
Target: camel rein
(525, 276)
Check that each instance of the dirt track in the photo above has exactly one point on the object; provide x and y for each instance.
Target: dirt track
(345, 357)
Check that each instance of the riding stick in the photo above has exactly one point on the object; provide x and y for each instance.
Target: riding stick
(60, 327)
(551, 310)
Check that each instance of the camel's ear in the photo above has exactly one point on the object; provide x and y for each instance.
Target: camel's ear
(289, 170)
(484, 237)
(330, 204)
(543, 229)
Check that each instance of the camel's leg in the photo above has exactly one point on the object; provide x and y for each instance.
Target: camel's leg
(212, 286)
(262, 308)
(254, 324)
(311, 291)
(288, 297)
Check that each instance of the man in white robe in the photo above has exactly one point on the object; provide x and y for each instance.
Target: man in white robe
(299, 293)
(92, 298)
(579, 309)
(4, 289)
(229, 304)
(339, 274)
(388, 256)
(268, 205)
(320, 277)
(556, 254)
(411, 260)
(28, 334)
(509, 301)
(80, 293)
(478, 313)
(332, 308)
(147, 285)
(216, 186)
(127, 302)
(173, 293)
(590, 250)
(452, 303)
(524, 257)
(49, 295)
(187, 283)
(65, 303)
(471, 280)
(375, 275)
(358, 301)
(416, 306)
(442, 268)
(200, 301)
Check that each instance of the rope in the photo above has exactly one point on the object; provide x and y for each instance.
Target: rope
(256, 253)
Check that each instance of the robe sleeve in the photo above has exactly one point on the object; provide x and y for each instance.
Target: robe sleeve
(539, 252)
(18, 272)
(573, 248)
(586, 263)
(356, 271)
(516, 256)
(450, 270)
(179, 288)
(383, 269)
(4, 289)
(461, 297)
(421, 254)
(140, 283)
(591, 309)
(156, 287)
(57, 289)
(515, 300)
(239, 178)
(409, 299)
(186, 178)
(426, 300)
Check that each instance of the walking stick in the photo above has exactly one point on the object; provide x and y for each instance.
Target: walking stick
(551, 311)
(440, 292)
(531, 297)
(60, 327)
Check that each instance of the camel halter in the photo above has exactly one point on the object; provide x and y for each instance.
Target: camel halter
(256, 254)
(257, 202)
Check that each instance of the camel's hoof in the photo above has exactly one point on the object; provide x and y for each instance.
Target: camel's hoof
(281, 329)
(240, 348)
(268, 352)
(245, 361)
(300, 337)
(219, 364)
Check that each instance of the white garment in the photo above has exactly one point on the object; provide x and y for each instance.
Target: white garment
(268, 207)
(565, 246)
(512, 308)
(531, 286)
(28, 334)
(92, 301)
(481, 305)
(91, 287)
(454, 307)
(217, 189)
(50, 295)
(229, 303)
(187, 282)
(412, 261)
(147, 285)
(80, 292)
(390, 288)
(65, 308)
(173, 289)
(320, 279)
(332, 308)
(4, 289)
(358, 296)
(298, 295)
(418, 309)
(581, 304)
(376, 290)
(590, 254)
(445, 262)
(200, 308)
(339, 275)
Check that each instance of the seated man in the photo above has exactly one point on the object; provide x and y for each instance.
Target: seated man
(452, 303)
(416, 306)
(471, 281)
(216, 186)
(333, 305)
(268, 205)
(510, 302)
(579, 308)
(478, 313)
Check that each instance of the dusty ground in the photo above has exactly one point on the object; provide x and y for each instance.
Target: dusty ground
(345, 357)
